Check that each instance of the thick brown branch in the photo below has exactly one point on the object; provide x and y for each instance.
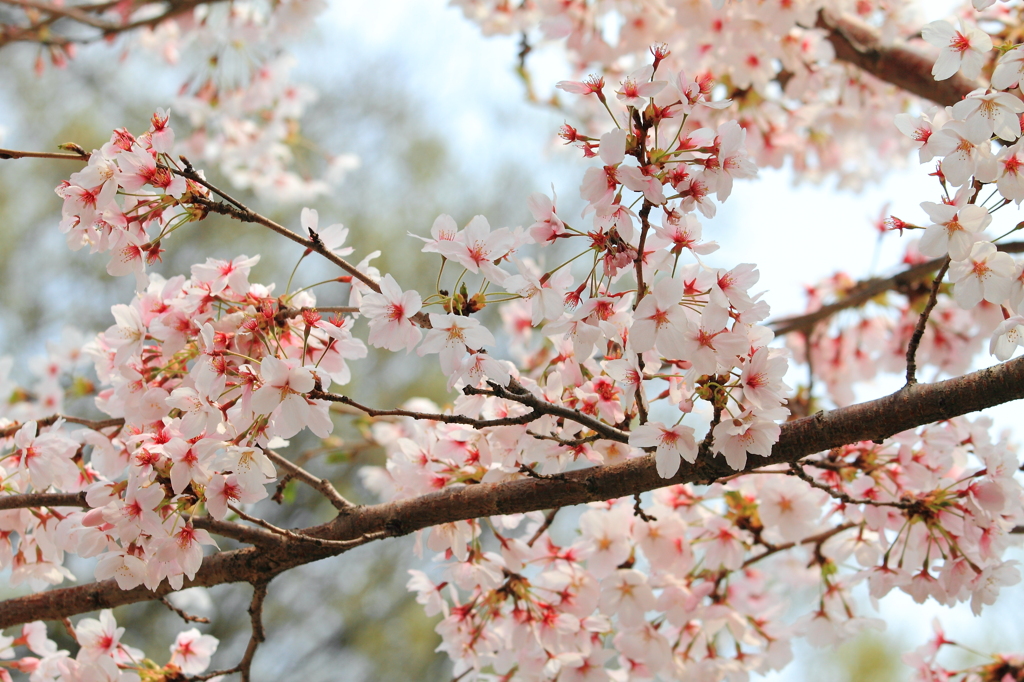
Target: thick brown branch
(35, 500)
(901, 64)
(874, 420)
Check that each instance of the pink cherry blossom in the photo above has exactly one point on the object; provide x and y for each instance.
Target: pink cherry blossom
(451, 335)
(961, 50)
(389, 313)
(478, 248)
(672, 443)
(192, 651)
(984, 275)
(953, 229)
(1007, 336)
(638, 85)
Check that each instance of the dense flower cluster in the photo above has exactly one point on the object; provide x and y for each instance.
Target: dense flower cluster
(102, 656)
(772, 58)
(633, 347)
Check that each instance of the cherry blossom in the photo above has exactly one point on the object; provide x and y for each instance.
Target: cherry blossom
(1007, 336)
(985, 274)
(671, 443)
(451, 336)
(615, 358)
(478, 248)
(953, 230)
(961, 50)
(389, 313)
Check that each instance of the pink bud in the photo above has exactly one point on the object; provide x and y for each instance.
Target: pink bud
(93, 518)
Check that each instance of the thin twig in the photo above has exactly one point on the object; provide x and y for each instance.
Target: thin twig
(70, 12)
(40, 32)
(93, 424)
(235, 531)
(638, 263)
(247, 215)
(318, 394)
(321, 485)
(258, 636)
(638, 510)
(13, 154)
(301, 537)
(187, 617)
(798, 471)
(548, 519)
(286, 313)
(915, 340)
(814, 539)
(865, 290)
(516, 393)
(533, 473)
(569, 443)
(241, 212)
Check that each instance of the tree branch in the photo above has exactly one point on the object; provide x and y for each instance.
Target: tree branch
(259, 635)
(900, 64)
(814, 539)
(94, 424)
(185, 616)
(516, 393)
(867, 289)
(36, 500)
(905, 409)
(922, 321)
(239, 211)
(253, 536)
(86, 15)
(13, 154)
(321, 485)
(317, 394)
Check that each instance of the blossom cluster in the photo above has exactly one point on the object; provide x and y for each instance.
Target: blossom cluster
(639, 320)
(975, 146)
(772, 58)
(245, 114)
(926, 666)
(236, 91)
(102, 656)
(634, 346)
(201, 375)
(687, 593)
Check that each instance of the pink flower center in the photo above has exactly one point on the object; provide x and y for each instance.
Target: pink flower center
(960, 43)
